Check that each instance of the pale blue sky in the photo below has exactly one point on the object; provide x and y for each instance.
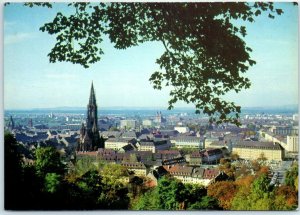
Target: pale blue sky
(121, 77)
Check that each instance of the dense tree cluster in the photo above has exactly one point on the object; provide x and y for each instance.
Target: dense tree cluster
(171, 194)
(205, 54)
(254, 191)
(51, 184)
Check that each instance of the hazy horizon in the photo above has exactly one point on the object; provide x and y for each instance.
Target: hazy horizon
(292, 106)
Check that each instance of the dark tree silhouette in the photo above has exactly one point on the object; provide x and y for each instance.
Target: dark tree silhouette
(205, 54)
(12, 173)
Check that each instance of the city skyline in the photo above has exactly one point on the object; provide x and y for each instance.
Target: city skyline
(121, 77)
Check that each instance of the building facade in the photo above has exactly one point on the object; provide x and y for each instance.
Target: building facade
(251, 150)
(138, 168)
(195, 175)
(147, 123)
(292, 143)
(159, 118)
(127, 124)
(182, 129)
(153, 145)
(187, 142)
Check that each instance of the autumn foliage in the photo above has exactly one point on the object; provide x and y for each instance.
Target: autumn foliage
(224, 191)
(289, 194)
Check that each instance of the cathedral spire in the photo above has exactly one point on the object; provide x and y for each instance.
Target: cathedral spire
(92, 95)
(89, 134)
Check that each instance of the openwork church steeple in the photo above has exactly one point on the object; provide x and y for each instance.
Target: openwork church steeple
(89, 134)
(92, 96)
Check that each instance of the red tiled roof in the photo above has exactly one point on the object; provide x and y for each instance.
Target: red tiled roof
(196, 154)
(168, 152)
(135, 165)
(210, 173)
(179, 169)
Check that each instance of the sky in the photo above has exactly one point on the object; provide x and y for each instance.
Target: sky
(121, 78)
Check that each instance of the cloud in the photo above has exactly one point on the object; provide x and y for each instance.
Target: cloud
(16, 38)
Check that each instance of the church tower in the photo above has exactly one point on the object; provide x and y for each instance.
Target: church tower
(89, 134)
(11, 124)
(91, 111)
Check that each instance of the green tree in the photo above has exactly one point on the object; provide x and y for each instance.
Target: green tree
(285, 198)
(48, 161)
(83, 165)
(260, 196)
(147, 201)
(192, 195)
(280, 203)
(115, 193)
(84, 193)
(205, 53)
(170, 193)
(136, 186)
(206, 203)
(52, 182)
(113, 174)
(291, 175)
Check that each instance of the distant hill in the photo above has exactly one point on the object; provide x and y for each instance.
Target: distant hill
(272, 109)
(245, 110)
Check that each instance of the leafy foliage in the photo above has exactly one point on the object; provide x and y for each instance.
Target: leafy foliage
(205, 54)
(147, 201)
(171, 194)
(84, 165)
(262, 196)
(206, 203)
(286, 198)
(48, 161)
(43, 186)
(113, 174)
(114, 193)
(227, 167)
(259, 198)
(193, 195)
(291, 175)
(52, 182)
(136, 187)
(87, 190)
(224, 191)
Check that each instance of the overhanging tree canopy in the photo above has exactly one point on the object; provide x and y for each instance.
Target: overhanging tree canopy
(205, 54)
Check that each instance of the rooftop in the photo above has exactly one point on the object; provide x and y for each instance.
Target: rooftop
(258, 144)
